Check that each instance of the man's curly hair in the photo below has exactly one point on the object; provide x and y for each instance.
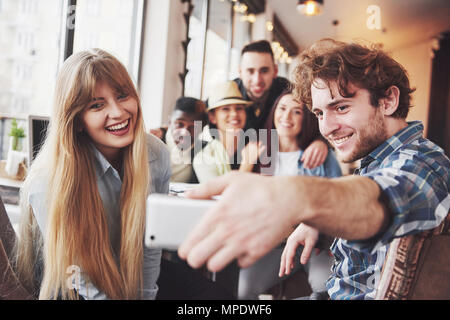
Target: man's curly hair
(367, 68)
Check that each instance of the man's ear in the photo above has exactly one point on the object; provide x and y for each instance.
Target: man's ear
(389, 104)
(275, 70)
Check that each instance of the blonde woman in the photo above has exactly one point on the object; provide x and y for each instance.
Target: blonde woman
(83, 201)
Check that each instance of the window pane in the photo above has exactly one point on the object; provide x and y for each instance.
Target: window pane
(241, 37)
(217, 46)
(194, 61)
(111, 26)
(30, 33)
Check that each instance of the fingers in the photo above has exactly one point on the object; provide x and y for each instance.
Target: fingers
(315, 154)
(282, 270)
(209, 245)
(309, 158)
(196, 248)
(306, 253)
(211, 188)
(252, 152)
(284, 265)
(225, 255)
(245, 260)
(320, 159)
(313, 158)
(287, 259)
(261, 148)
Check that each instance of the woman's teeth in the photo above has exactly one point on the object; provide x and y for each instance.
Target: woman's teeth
(286, 125)
(118, 126)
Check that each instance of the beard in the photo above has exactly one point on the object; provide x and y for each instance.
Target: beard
(367, 139)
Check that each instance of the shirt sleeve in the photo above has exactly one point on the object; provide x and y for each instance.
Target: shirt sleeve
(166, 174)
(204, 170)
(332, 167)
(416, 198)
(211, 162)
(160, 175)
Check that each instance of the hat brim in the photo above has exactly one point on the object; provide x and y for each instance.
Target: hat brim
(225, 102)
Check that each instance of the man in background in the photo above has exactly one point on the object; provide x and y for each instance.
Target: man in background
(181, 136)
(259, 82)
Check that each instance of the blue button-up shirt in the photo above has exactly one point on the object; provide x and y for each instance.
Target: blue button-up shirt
(109, 185)
(414, 177)
(330, 168)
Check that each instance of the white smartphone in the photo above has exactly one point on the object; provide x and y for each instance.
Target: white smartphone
(170, 219)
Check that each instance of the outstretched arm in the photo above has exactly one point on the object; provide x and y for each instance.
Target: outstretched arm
(247, 227)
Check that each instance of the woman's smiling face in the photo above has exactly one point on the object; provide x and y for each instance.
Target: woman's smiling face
(288, 116)
(229, 118)
(110, 120)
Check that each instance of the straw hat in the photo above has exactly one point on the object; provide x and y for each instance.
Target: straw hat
(224, 94)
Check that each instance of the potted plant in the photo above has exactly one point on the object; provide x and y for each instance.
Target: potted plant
(15, 154)
(16, 135)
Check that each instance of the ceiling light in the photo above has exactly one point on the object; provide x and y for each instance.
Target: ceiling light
(249, 18)
(310, 7)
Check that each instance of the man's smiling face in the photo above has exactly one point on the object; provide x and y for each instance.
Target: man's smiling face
(352, 125)
(257, 71)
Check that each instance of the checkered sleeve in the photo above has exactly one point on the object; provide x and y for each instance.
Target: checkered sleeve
(415, 192)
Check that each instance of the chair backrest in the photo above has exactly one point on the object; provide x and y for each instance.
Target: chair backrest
(417, 267)
(10, 286)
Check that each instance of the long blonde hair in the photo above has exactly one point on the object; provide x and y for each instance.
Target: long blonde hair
(76, 229)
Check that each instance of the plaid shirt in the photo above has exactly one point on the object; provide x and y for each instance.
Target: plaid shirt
(414, 176)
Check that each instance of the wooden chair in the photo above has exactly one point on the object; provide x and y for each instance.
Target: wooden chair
(10, 286)
(417, 267)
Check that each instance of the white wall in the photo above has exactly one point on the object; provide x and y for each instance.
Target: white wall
(259, 29)
(162, 60)
(417, 60)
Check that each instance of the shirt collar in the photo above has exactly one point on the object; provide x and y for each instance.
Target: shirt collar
(413, 131)
(101, 164)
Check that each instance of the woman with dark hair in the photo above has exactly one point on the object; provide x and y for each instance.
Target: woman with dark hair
(295, 129)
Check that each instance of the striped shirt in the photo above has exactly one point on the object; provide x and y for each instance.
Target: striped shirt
(414, 176)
